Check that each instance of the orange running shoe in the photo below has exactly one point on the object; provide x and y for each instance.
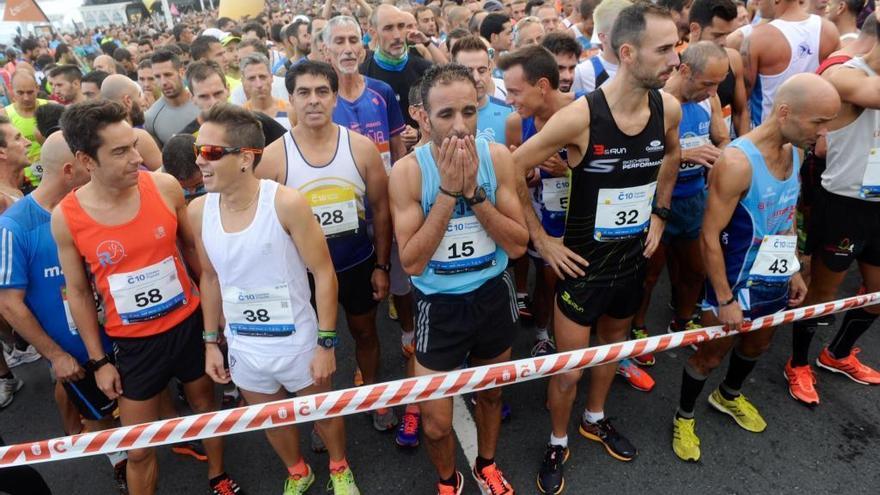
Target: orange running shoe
(637, 377)
(849, 366)
(451, 490)
(492, 481)
(801, 381)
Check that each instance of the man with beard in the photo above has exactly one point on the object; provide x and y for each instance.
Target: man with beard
(623, 149)
(567, 52)
(123, 90)
(66, 81)
(175, 108)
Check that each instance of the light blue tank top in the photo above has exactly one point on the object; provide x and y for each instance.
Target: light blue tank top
(462, 262)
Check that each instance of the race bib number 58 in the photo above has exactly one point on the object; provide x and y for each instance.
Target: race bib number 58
(148, 293)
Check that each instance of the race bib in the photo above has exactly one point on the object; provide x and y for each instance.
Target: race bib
(71, 325)
(777, 259)
(465, 247)
(623, 213)
(871, 181)
(386, 161)
(259, 312)
(688, 170)
(335, 209)
(148, 293)
(554, 193)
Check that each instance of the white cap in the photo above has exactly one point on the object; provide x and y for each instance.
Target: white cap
(215, 33)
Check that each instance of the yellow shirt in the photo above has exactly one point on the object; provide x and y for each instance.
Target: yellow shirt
(27, 126)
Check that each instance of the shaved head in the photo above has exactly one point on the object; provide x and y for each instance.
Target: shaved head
(54, 154)
(105, 63)
(808, 93)
(115, 86)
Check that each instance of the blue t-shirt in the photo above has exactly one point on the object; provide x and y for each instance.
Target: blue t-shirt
(30, 262)
(374, 114)
(491, 119)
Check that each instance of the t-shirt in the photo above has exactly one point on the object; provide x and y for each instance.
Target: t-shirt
(27, 126)
(585, 74)
(491, 118)
(163, 121)
(30, 262)
(272, 130)
(400, 82)
(374, 114)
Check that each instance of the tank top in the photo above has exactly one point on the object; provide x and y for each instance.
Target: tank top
(466, 257)
(139, 275)
(336, 192)
(803, 39)
(725, 95)
(755, 249)
(853, 157)
(263, 281)
(693, 130)
(612, 190)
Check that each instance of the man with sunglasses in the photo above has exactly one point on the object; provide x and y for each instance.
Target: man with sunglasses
(129, 227)
(341, 174)
(243, 227)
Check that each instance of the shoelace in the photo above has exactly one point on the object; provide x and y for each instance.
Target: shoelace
(804, 376)
(494, 479)
(225, 487)
(555, 456)
(410, 424)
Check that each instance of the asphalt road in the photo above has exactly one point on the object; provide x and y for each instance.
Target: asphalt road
(828, 449)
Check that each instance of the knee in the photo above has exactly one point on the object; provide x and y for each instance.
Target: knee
(365, 336)
(202, 402)
(753, 350)
(138, 456)
(705, 365)
(567, 381)
(491, 398)
(436, 428)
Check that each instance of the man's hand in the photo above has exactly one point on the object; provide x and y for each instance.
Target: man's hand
(214, 364)
(449, 165)
(565, 262)
(731, 315)
(409, 136)
(470, 163)
(108, 381)
(705, 155)
(655, 234)
(416, 37)
(555, 166)
(67, 368)
(380, 283)
(797, 291)
(323, 365)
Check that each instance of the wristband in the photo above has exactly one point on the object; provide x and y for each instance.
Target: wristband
(93, 365)
(450, 194)
(728, 302)
(210, 337)
(326, 333)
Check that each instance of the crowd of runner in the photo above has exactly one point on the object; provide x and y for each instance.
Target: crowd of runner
(186, 208)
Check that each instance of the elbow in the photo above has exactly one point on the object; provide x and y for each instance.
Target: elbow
(516, 251)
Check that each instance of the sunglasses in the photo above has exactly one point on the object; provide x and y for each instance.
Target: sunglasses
(212, 152)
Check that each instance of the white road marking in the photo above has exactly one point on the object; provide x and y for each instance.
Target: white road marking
(465, 428)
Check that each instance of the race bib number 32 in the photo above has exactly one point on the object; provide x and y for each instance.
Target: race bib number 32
(777, 259)
(465, 247)
(623, 213)
(148, 293)
(259, 312)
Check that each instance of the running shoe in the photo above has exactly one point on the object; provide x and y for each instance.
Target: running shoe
(384, 419)
(451, 490)
(641, 333)
(317, 442)
(491, 480)
(524, 306)
(550, 478)
(603, 432)
(543, 347)
(691, 325)
(408, 431)
(119, 477)
(342, 482)
(298, 485)
(685, 442)
(740, 409)
(226, 486)
(8, 388)
(638, 378)
(392, 309)
(801, 383)
(849, 366)
(358, 377)
(194, 449)
(16, 357)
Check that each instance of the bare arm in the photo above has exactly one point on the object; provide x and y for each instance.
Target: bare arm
(750, 59)
(149, 150)
(567, 128)
(862, 91)
(740, 104)
(209, 284)
(829, 41)
(273, 163)
(672, 152)
(504, 220)
(718, 131)
(370, 162)
(172, 193)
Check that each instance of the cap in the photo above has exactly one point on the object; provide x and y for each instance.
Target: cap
(215, 33)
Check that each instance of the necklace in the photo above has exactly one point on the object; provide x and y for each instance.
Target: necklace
(236, 210)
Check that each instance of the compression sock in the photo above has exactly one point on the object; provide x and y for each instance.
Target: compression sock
(855, 323)
(691, 385)
(801, 337)
(740, 367)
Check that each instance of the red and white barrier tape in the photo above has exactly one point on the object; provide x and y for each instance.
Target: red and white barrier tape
(388, 394)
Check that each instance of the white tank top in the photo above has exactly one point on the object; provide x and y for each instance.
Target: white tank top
(803, 39)
(853, 156)
(263, 281)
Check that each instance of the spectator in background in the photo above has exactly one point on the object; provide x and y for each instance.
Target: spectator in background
(105, 63)
(179, 160)
(147, 82)
(66, 81)
(91, 84)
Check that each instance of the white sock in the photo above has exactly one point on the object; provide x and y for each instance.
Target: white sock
(406, 338)
(561, 441)
(541, 334)
(117, 457)
(593, 417)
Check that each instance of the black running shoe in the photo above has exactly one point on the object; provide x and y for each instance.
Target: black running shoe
(550, 479)
(119, 477)
(603, 432)
(226, 486)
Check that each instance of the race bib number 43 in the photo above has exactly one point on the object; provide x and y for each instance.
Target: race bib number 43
(777, 259)
(623, 213)
(260, 312)
(335, 209)
(148, 293)
(465, 247)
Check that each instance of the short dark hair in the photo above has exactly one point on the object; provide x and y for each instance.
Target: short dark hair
(275, 32)
(202, 69)
(493, 24)
(676, 5)
(258, 45)
(854, 6)
(468, 44)
(223, 21)
(29, 44)
(531, 4)
(48, 118)
(703, 11)
(415, 93)
(562, 44)
(630, 24)
(145, 40)
(255, 27)
(96, 77)
(442, 75)
(164, 54)
(201, 46)
(81, 123)
(145, 63)
(309, 67)
(456, 34)
(536, 61)
(70, 72)
(586, 7)
(177, 31)
(292, 29)
(122, 54)
(243, 128)
(178, 156)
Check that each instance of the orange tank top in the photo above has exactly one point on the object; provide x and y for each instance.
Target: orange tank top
(138, 270)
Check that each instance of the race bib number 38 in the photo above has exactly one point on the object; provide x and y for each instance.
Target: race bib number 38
(259, 312)
(148, 293)
(623, 213)
(777, 259)
(465, 247)
(335, 209)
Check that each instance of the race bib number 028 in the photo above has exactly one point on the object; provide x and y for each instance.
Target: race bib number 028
(148, 293)
(465, 247)
(777, 259)
(623, 213)
(259, 312)
(335, 209)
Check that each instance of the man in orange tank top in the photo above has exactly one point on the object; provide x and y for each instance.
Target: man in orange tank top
(130, 229)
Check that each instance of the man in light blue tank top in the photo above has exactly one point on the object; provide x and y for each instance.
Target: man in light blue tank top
(749, 248)
(457, 219)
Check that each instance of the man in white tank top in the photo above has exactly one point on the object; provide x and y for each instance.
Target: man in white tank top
(794, 41)
(255, 239)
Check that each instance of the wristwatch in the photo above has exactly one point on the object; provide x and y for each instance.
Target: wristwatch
(661, 212)
(94, 365)
(384, 267)
(328, 342)
(478, 197)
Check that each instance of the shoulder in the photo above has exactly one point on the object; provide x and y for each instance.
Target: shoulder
(499, 103)
(671, 105)
(191, 128)
(166, 183)
(378, 85)
(735, 59)
(404, 170)
(195, 207)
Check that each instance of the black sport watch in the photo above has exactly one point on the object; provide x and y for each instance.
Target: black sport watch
(661, 212)
(328, 342)
(94, 365)
(478, 197)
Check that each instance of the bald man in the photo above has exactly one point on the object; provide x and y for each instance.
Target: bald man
(749, 248)
(105, 63)
(32, 293)
(121, 89)
(21, 111)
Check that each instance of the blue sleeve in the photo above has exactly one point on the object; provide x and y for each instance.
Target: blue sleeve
(395, 117)
(13, 256)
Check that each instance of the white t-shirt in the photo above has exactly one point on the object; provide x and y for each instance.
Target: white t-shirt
(500, 90)
(585, 74)
(279, 92)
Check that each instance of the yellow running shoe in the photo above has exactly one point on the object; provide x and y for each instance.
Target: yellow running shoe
(298, 485)
(685, 442)
(741, 410)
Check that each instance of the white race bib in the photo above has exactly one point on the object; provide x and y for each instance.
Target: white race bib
(687, 143)
(777, 258)
(465, 247)
(148, 293)
(71, 325)
(335, 209)
(554, 193)
(623, 213)
(871, 181)
(259, 312)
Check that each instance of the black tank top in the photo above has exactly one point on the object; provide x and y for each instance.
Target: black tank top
(614, 162)
(726, 88)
